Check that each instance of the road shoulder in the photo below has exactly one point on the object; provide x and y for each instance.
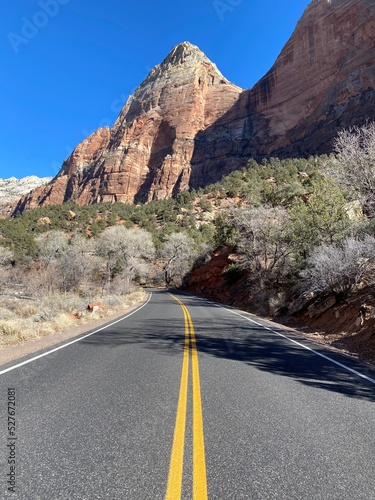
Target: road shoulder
(30, 346)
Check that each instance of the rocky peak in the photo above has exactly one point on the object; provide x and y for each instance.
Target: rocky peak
(184, 53)
(183, 57)
(147, 153)
(184, 66)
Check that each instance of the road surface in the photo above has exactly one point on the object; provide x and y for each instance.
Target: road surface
(187, 399)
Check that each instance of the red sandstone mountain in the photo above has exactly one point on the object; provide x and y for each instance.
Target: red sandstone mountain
(147, 153)
(322, 81)
(186, 125)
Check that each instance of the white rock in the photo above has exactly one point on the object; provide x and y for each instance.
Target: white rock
(13, 188)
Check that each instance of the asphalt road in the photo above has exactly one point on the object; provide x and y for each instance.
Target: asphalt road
(115, 414)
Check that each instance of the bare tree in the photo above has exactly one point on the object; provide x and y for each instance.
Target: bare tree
(262, 238)
(125, 250)
(178, 251)
(51, 246)
(353, 168)
(340, 268)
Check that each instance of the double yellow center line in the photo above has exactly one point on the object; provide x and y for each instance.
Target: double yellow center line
(177, 457)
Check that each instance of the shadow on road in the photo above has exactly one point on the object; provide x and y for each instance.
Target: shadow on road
(220, 335)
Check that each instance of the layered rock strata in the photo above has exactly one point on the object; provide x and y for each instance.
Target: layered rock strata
(147, 153)
(322, 81)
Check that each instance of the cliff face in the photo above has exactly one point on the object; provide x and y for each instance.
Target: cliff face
(186, 125)
(147, 153)
(324, 77)
(336, 75)
(323, 80)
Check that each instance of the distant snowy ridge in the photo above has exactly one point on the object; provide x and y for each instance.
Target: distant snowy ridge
(13, 188)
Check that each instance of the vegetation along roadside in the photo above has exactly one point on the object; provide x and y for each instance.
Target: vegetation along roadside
(290, 239)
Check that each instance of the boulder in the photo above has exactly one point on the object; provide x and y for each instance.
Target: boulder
(95, 307)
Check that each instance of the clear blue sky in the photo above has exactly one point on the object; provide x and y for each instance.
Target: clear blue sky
(68, 66)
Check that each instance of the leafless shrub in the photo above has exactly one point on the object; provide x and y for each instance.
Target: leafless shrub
(112, 300)
(57, 303)
(203, 254)
(262, 239)
(354, 166)
(67, 302)
(45, 314)
(338, 269)
(122, 284)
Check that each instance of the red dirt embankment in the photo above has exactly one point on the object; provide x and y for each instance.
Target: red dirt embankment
(348, 326)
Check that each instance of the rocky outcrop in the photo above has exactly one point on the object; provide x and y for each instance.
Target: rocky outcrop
(74, 175)
(324, 78)
(12, 188)
(187, 126)
(147, 153)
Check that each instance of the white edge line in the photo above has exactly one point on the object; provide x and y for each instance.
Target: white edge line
(341, 365)
(76, 340)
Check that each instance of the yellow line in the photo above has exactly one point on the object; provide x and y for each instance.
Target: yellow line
(199, 462)
(177, 457)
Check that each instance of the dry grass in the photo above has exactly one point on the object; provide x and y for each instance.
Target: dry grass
(22, 319)
(6, 314)
(26, 310)
(10, 330)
